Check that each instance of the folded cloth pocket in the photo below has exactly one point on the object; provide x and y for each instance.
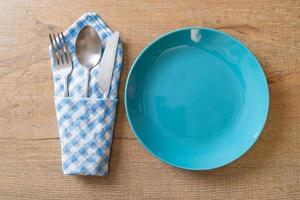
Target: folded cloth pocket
(85, 129)
(86, 124)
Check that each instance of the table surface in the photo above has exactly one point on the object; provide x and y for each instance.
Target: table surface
(30, 166)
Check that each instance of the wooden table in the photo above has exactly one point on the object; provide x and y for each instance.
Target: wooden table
(30, 166)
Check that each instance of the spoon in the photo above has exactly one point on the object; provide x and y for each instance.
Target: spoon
(88, 51)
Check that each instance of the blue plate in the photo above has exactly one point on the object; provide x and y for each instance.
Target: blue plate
(196, 98)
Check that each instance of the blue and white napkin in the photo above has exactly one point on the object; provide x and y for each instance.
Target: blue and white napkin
(86, 124)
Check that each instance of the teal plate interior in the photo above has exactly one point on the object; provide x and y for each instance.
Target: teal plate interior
(196, 98)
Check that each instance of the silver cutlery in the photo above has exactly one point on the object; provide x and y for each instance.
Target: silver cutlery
(88, 51)
(62, 58)
(107, 63)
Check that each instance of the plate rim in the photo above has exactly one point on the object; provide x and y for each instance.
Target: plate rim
(247, 148)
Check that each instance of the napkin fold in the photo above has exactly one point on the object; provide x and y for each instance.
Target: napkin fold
(86, 124)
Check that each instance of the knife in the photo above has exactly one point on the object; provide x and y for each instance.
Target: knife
(107, 63)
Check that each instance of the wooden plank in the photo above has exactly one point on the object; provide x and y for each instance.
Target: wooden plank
(29, 145)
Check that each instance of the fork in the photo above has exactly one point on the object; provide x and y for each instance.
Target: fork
(62, 58)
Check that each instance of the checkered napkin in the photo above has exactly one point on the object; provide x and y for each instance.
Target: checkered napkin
(86, 124)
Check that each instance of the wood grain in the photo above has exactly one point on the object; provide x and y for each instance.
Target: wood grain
(29, 145)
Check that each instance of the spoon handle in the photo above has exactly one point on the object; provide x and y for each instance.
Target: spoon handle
(86, 85)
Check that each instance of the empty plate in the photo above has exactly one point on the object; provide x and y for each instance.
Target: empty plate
(196, 98)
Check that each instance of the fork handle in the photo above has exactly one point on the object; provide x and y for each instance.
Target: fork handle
(65, 79)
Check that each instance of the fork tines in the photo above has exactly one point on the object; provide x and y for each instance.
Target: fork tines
(60, 51)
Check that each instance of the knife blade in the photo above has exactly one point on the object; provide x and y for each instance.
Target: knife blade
(107, 63)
